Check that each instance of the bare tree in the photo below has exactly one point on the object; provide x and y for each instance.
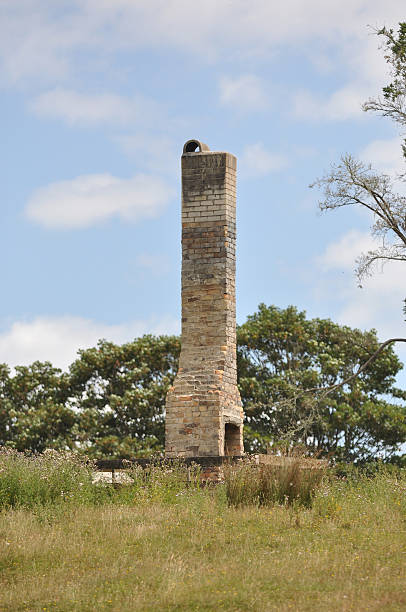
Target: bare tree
(355, 183)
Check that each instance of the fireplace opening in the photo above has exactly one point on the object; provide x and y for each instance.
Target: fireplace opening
(231, 439)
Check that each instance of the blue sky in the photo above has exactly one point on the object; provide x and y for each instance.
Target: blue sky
(97, 99)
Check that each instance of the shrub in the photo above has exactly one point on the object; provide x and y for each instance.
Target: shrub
(56, 477)
(290, 481)
(368, 469)
(48, 478)
(163, 481)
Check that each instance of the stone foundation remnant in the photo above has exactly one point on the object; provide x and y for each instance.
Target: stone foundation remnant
(204, 416)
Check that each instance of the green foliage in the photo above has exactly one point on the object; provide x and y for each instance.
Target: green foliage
(285, 360)
(119, 394)
(111, 403)
(370, 469)
(163, 481)
(33, 410)
(6, 405)
(51, 478)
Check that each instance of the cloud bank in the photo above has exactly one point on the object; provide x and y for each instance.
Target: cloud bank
(42, 41)
(94, 198)
(57, 339)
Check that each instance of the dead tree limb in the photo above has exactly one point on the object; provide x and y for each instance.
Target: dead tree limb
(362, 367)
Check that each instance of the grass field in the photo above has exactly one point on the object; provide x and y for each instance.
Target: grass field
(164, 547)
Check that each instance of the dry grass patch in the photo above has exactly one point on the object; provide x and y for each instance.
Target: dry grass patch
(284, 480)
(346, 552)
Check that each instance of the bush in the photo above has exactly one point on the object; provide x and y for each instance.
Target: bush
(345, 499)
(368, 469)
(163, 481)
(53, 476)
(56, 477)
(291, 481)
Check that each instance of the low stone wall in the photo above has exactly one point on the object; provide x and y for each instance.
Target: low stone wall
(282, 461)
(122, 464)
(113, 470)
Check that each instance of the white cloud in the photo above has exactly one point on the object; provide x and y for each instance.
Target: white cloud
(385, 155)
(88, 109)
(43, 39)
(356, 55)
(343, 104)
(256, 161)
(57, 339)
(378, 304)
(43, 42)
(93, 198)
(32, 42)
(342, 254)
(244, 93)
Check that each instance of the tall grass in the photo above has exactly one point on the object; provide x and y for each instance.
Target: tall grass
(58, 477)
(163, 481)
(292, 482)
(49, 478)
(190, 550)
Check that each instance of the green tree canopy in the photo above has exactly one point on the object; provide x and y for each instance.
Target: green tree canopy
(119, 394)
(285, 361)
(33, 410)
(112, 400)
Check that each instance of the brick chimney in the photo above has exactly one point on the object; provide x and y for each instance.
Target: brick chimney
(204, 415)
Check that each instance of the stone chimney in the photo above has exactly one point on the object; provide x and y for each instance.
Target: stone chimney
(204, 415)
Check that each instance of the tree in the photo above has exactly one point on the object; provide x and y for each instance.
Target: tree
(6, 425)
(285, 364)
(303, 381)
(119, 394)
(33, 411)
(353, 183)
(393, 102)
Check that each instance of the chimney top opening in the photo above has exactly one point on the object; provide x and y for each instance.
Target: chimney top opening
(191, 146)
(195, 146)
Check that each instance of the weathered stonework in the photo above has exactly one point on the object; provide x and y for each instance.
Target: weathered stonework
(203, 408)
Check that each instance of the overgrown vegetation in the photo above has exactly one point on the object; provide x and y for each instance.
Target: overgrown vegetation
(56, 478)
(292, 481)
(111, 402)
(165, 543)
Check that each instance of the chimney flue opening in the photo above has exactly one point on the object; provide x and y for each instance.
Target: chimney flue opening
(195, 146)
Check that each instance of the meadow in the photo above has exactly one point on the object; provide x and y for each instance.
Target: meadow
(164, 544)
